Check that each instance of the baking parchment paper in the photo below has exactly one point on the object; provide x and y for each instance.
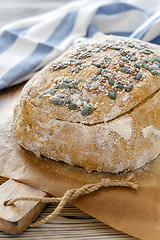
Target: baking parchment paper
(136, 212)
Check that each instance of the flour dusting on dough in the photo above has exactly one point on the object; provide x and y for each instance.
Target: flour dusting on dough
(147, 131)
(122, 126)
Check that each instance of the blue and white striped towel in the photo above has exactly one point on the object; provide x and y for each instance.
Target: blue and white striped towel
(28, 45)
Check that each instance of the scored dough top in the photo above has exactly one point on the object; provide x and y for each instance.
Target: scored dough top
(96, 80)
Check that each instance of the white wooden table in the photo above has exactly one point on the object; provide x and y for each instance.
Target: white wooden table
(72, 223)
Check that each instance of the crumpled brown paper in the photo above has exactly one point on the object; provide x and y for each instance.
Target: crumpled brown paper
(136, 212)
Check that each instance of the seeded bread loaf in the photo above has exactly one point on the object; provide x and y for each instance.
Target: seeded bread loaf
(97, 106)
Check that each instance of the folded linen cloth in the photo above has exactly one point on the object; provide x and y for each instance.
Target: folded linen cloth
(28, 45)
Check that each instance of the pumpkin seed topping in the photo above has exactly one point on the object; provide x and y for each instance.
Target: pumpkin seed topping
(112, 94)
(124, 69)
(89, 84)
(137, 65)
(87, 110)
(146, 51)
(145, 65)
(129, 54)
(130, 45)
(117, 48)
(97, 64)
(124, 59)
(41, 94)
(57, 101)
(138, 76)
(145, 59)
(103, 72)
(68, 100)
(108, 59)
(123, 53)
(111, 81)
(68, 85)
(120, 86)
(72, 106)
(97, 50)
(152, 59)
(150, 68)
(158, 59)
(79, 80)
(76, 70)
(129, 87)
(63, 66)
(99, 71)
(95, 78)
(52, 91)
(155, 65)
(134, 58)
(155, 72)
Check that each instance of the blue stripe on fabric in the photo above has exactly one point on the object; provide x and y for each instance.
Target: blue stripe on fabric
(42, 50)
(92, 29)
(25, 66)
(63, 29)
(123, 34)
(7, 39)
(143, 32)
(115, 8)
(156, 40)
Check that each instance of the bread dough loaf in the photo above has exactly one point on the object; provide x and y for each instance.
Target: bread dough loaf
(97, 106)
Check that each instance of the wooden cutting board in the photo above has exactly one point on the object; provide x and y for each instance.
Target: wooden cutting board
(16, 218)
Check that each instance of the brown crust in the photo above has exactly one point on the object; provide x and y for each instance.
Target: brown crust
(121, 134)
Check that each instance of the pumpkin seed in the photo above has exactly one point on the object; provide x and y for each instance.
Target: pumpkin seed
(72, 106)
(112, 94)
(124, 59)
(145, 59)
(108, 59)
(103, 72)
(123, 53)
(152, 59)
(52, 91)
(63, 66)
(79, 80)
(97, 50)
(41, 94)
(138, 76)
(120, 86)
(99, 70)
(155, 72)
(150, 68)
(68, 101)
(130, 54)
(87, 110)
(130, 45)
(75, 70)
(117, 48)
(57, 101)
(147, 51)
(111, 81)
(57, 85)
(97, 64)
(68, 85)
(137, 65)
(124, 69)
(145, 65)
(134, 58)
(95, 78)
(89, 84)
(129, 87)
(68, 80)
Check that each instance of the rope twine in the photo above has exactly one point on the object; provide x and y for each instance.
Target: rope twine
(72, 194)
